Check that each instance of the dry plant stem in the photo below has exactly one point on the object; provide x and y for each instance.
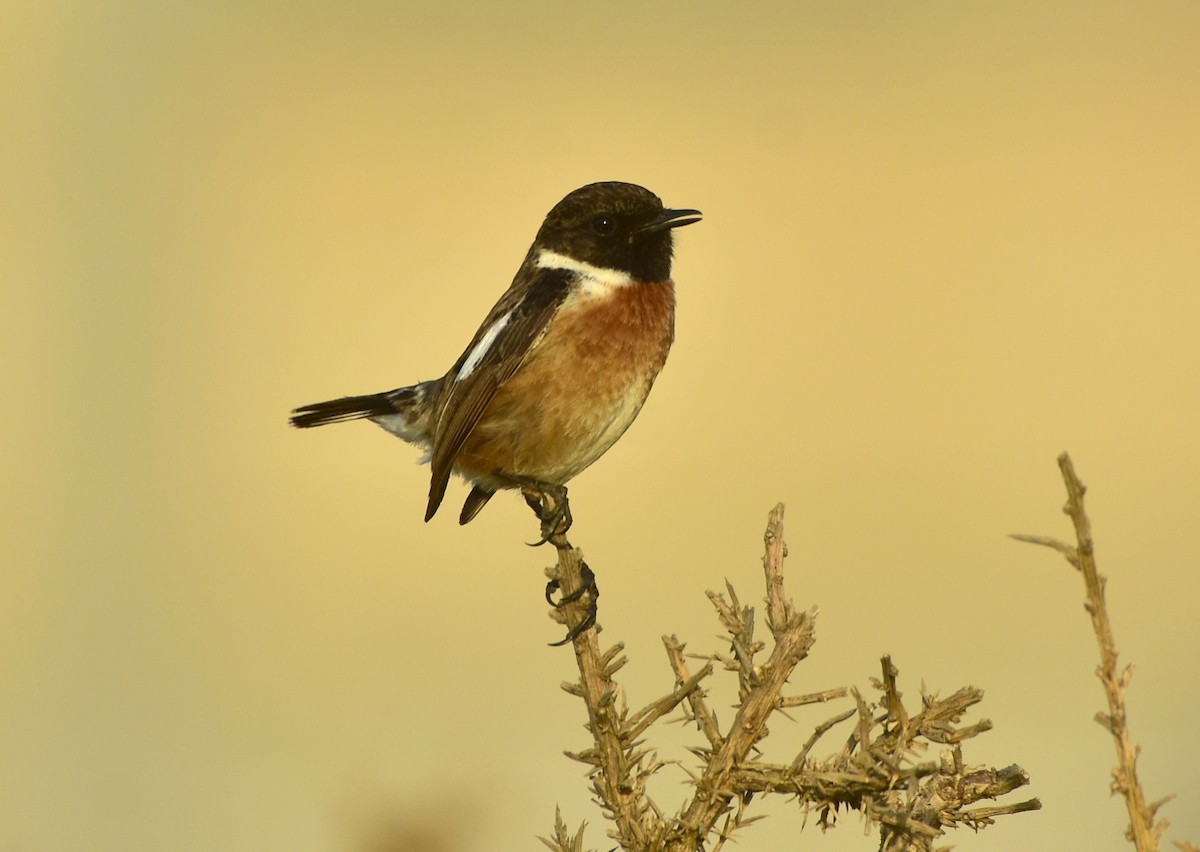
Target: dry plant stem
(599, 694)
(1142, 831)
(814, 697)
(613, 733)
(695, 700)
(878, 772)
(793, 637)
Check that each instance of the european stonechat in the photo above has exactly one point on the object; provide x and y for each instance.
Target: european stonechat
(560, 367)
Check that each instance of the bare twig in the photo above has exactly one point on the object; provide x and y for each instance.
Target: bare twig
(793, 637)
(1142, 829)
(563, 840)
(612, 755)
(813, 697)
(705, 720)
(877, 773)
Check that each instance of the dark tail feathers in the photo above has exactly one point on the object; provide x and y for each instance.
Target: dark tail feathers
(346, 408)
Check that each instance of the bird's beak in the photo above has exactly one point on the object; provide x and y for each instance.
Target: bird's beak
(669, 219)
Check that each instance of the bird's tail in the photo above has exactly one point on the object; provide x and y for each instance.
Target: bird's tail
(346, 408)
(404, 412)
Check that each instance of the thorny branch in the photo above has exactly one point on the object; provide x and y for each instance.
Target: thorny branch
(1143, 831)
(883, 770)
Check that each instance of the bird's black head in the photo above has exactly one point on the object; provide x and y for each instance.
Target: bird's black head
(615, 226)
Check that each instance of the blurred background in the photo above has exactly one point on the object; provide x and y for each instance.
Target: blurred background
(942, 243)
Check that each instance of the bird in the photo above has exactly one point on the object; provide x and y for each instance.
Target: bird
(560, 366)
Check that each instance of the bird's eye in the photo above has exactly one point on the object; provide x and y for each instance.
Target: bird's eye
(604, 224)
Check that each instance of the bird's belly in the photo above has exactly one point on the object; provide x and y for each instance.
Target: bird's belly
(552, 440)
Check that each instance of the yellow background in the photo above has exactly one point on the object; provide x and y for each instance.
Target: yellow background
(942, 243)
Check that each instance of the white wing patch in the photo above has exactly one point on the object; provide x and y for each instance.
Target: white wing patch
(593, 280)
(481, 348)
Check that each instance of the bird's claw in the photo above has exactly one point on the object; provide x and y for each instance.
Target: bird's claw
(587, 587)
(550, 504)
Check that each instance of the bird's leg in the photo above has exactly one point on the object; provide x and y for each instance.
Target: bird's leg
(550, 504)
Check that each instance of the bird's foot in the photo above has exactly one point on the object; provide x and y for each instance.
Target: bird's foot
(589, 588)
(550, 504)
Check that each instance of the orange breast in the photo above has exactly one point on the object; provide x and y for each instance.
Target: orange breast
(579, 389)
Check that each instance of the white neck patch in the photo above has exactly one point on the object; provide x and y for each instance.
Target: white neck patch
(594, 280)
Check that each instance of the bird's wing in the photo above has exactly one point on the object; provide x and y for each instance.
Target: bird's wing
(499, 348)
